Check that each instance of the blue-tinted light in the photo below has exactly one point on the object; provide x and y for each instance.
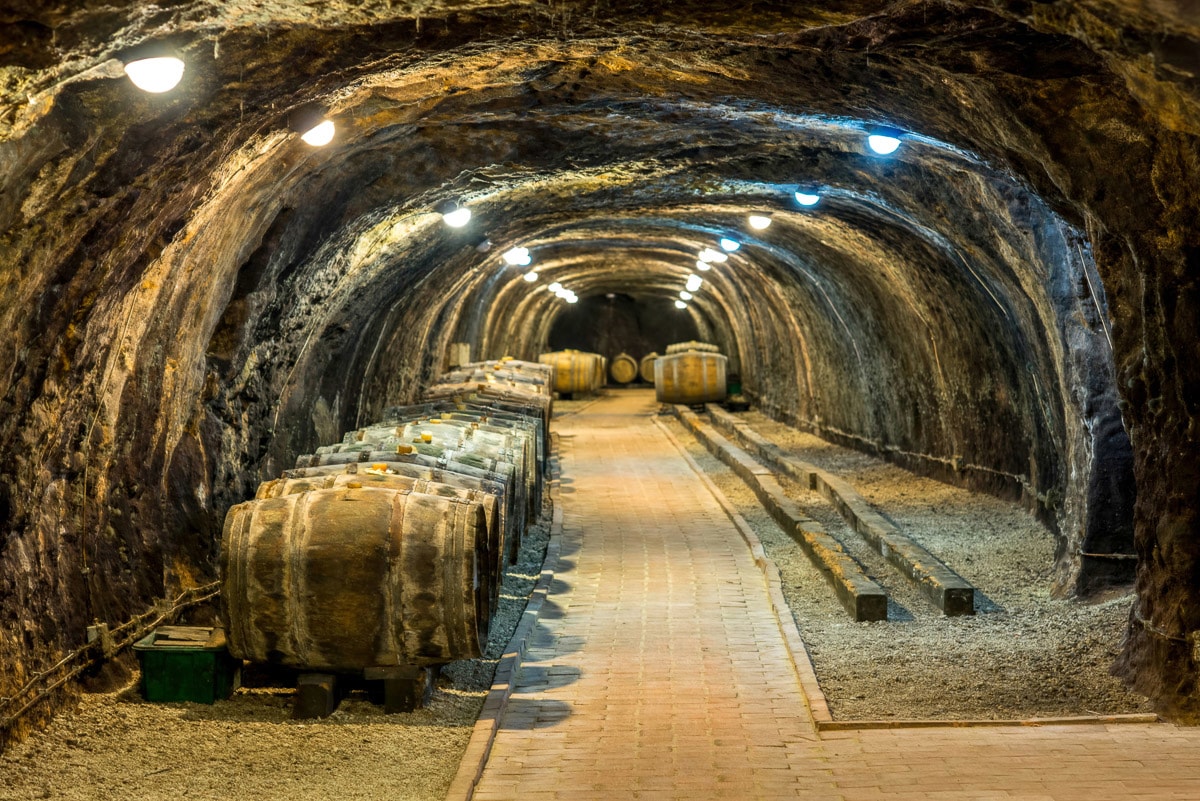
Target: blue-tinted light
(883, 145)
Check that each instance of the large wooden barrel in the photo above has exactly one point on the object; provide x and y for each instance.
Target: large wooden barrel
(574, 371)
(691, 377)
(386, 479)
(624, 369)
(646, 368)
(352, 578)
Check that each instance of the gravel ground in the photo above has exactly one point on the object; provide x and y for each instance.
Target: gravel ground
(117, 746)
(1024, 655)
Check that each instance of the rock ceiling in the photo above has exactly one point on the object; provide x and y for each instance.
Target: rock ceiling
(194, 295)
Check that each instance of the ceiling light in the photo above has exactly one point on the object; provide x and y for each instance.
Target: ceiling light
(693, 282)
(703, 265)
(883, 145)
(555, 287)
(457, 218)
(518, 257)
(884, 140)
(759, 222)
(730, 244)
(685, 295)
(531, 276)
(571, 299)
(155, 75)
(679, 304)
(319, 135)
(708, 254)
(807, 199)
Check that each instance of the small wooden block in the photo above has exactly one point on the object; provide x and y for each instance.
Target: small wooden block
(316, 696)
(405, 687)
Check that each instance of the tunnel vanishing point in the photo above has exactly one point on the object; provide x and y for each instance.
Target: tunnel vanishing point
(193, 295)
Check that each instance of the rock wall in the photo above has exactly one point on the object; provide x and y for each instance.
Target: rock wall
(193, 296)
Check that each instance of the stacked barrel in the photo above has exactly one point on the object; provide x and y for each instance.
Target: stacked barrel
(690, 373)
(624, 368)
(388, 548)
(646, 367)
(684, 347)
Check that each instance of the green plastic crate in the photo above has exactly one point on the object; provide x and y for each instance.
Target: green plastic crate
(187, 663)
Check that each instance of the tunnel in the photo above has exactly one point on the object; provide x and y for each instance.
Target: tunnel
(193, 295)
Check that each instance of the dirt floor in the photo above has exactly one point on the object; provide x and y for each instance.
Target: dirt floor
(117, 746)
(1023, 655)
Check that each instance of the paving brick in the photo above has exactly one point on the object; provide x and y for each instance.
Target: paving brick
(660, 672)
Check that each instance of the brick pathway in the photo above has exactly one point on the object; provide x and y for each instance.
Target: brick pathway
(657, 670)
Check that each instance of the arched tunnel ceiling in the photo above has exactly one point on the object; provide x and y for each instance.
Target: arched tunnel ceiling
(196, 296)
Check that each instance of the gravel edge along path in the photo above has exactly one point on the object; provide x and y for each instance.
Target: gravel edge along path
(1024, 655)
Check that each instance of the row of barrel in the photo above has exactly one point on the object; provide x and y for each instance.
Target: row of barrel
(689, 373)
(388, 548)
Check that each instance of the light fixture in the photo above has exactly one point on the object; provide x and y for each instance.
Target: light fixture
(703, 265)
(685, 295)
(759, 222)
(156, 74)
(319, 135)
(883, 139)
(517, 257)
(807, 198)
(530, 276)
(454, 213)
(555, 287)
(710, 255)
(730, 244)
(679, 304)
(693, 283)
(571, 298)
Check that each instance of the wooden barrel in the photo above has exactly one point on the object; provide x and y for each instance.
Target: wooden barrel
(574, 371)
(601, 372)
(509, 520)
(486, 418)
(347, 579)
(646, 368)
(534, 372)
(383, 478)
(624, 369)
(487, 394)
(498, 375)
(475, 464)
(691, 377)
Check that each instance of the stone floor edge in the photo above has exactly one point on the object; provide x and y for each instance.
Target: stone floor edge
(479, 747)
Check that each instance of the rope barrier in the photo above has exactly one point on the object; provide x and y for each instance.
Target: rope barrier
(104, 646)
(1155, 630)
